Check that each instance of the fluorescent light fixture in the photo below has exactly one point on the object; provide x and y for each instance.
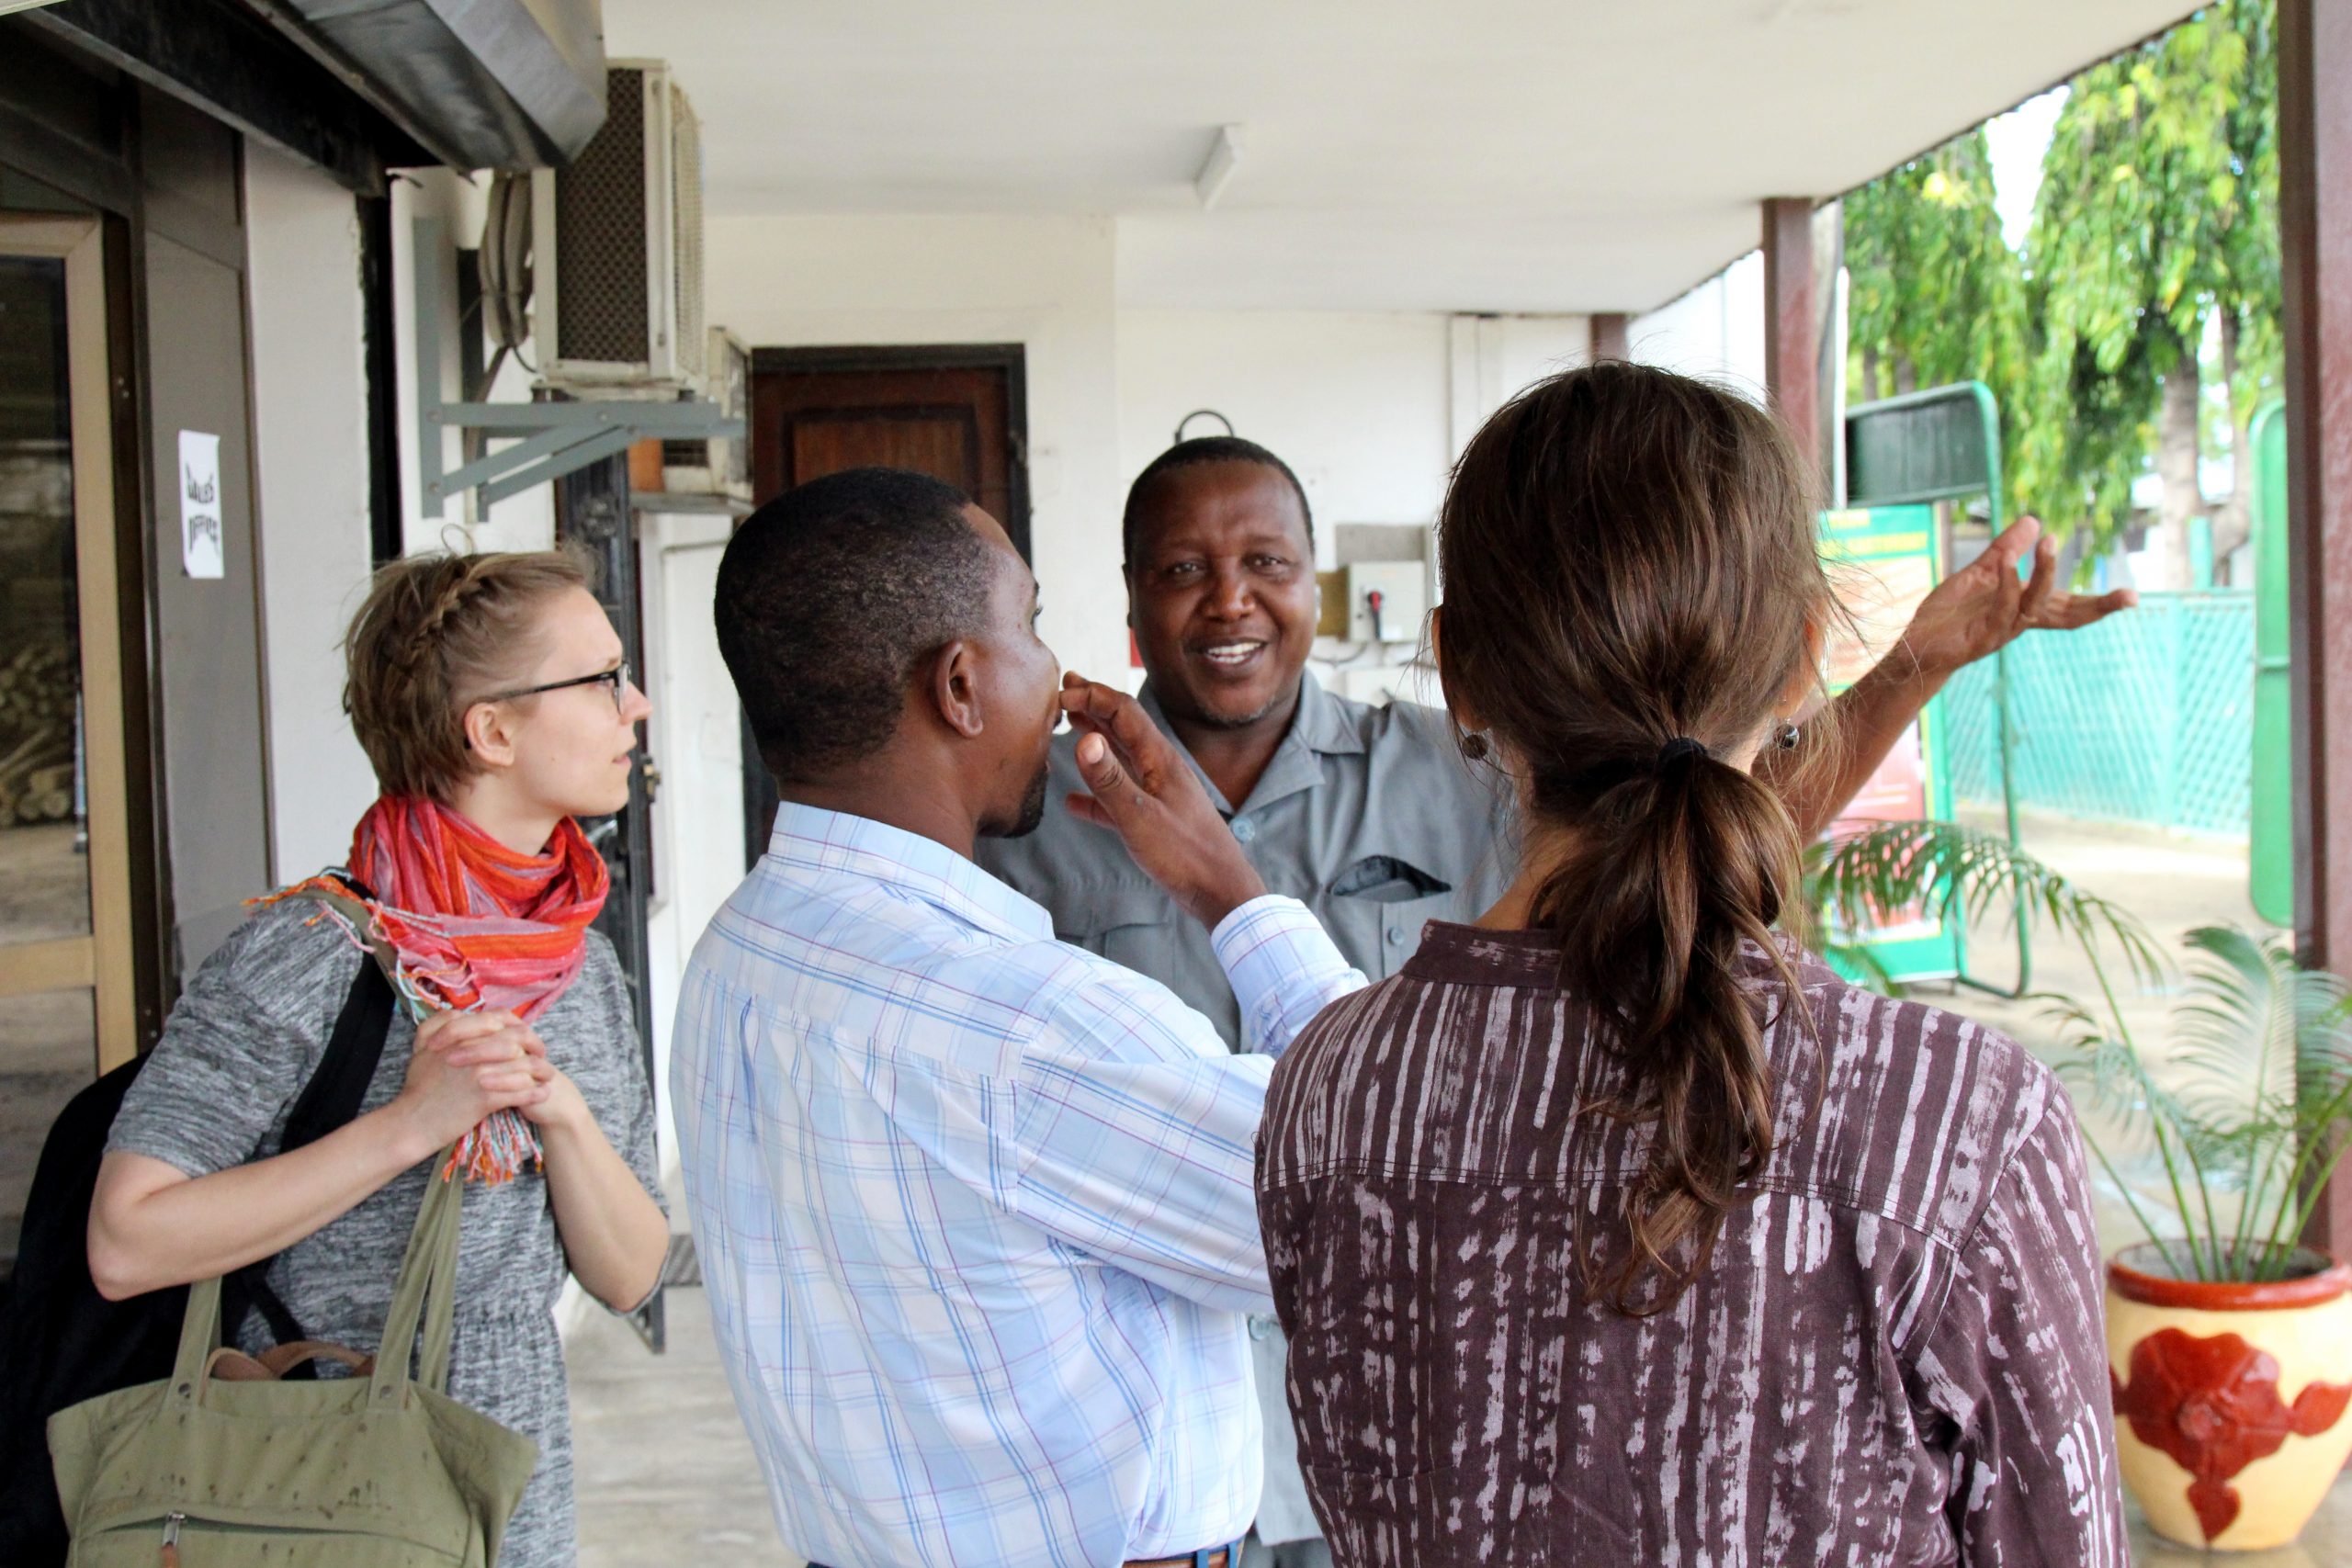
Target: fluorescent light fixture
(7, 6)
(1216, 170)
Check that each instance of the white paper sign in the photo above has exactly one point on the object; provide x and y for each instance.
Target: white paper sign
(200, 503)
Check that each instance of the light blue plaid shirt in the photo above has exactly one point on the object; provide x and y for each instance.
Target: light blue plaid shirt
(974, 1207)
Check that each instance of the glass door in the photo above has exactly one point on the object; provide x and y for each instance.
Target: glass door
(67, 1007)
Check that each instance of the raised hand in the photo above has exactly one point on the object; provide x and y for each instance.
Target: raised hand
(1983, 607)
(1142, 791)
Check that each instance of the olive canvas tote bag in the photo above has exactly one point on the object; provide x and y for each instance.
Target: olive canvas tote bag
(225, 1466)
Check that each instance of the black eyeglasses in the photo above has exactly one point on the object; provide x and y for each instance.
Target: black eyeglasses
(619, 679)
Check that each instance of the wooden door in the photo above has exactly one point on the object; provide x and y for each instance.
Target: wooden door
(955, 413)
(67, 999)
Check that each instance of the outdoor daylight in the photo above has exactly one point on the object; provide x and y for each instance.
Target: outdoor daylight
(1282, 785)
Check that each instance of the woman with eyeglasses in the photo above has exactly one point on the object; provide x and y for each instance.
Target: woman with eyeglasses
(491, 695)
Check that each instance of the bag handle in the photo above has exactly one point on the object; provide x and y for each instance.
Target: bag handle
(427, 1287)
(200, 1336)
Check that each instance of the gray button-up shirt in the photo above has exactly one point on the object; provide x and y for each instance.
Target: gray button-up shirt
(1368, 816)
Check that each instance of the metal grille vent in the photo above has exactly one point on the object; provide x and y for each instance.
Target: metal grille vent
(600, 235)
(685, 252)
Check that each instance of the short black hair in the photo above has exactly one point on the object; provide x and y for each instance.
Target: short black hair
(1192, 455)
(830, 595)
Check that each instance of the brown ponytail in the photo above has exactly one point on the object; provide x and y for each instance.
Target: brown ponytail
(1632, 580)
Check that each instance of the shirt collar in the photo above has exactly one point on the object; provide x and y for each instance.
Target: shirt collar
(1323, 722)
(836, 843)
(1321, 726)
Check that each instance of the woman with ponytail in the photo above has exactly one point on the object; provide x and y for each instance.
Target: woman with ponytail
(491, 695)
(1615, 1229)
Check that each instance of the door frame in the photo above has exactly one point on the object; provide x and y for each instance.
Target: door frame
(1010, 357)
(104, 960)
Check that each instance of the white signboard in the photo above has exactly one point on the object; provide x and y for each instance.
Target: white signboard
(200, 503)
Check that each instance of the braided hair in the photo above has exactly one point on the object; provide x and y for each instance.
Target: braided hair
(435, 634)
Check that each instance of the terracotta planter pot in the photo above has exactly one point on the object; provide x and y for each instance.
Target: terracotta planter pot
(2229, 1398)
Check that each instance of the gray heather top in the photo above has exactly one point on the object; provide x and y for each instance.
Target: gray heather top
(237, 1049)
(1368, 816)
(1895, 1356)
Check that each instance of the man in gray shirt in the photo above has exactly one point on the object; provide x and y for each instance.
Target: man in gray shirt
(1373, 816)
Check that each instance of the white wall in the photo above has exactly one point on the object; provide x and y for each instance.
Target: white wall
(1492, 359)
(695, 741)
(1370, 408)
(523, 522)
(1716, 330)
(1355, 403)
(310, 444)
(1044, 283)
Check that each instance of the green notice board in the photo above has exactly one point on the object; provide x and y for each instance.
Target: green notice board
(1884, 559)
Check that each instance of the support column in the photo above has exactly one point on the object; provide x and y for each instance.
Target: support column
(1609, 336)
(593, 509)
(2315, 235)
(1791, 329)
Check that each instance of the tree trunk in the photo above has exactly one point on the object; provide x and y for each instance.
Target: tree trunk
(1870, 374)
(2233, 519)
(2177, 466)
(1906, 379)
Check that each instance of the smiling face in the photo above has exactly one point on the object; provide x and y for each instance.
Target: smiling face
(1019, 684)
(566, 752)
(1222, 593)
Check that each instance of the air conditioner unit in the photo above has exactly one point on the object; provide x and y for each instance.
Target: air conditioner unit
(718, 464)
(617, 241)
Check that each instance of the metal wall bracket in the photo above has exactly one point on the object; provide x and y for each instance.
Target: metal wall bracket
(548, 440)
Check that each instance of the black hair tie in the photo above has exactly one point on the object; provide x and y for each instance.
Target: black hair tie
(1674, 750)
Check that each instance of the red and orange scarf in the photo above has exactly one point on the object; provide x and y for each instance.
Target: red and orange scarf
(474, 925)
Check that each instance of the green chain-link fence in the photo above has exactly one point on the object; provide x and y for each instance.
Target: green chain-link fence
(2146, 717)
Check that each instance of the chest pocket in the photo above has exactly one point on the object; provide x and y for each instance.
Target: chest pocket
(1129, 924)
(1375, 908)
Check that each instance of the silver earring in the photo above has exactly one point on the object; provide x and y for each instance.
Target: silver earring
(1475, 747)
(1788, 736)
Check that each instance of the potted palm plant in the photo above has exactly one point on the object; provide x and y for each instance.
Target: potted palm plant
(2230, 1343)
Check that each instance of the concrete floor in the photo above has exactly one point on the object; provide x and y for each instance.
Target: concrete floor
(666, 1475)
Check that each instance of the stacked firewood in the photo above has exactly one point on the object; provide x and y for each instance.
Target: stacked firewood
(37, 685)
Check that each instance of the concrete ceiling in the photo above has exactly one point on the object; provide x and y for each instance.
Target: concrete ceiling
(1507, 155)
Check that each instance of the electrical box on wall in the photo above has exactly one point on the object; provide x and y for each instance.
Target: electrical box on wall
(1387, 601)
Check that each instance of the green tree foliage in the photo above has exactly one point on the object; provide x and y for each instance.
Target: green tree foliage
(2158, 210)
(2157, 214)
(1936, 296)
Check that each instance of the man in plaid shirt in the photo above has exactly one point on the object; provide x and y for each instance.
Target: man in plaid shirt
(974, 1206)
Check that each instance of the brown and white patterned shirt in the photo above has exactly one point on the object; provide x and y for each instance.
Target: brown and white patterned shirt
(1895, 1356)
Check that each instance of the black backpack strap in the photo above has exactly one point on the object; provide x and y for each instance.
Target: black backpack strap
(331, 1097)
(348, 1066)
(331, 1100)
